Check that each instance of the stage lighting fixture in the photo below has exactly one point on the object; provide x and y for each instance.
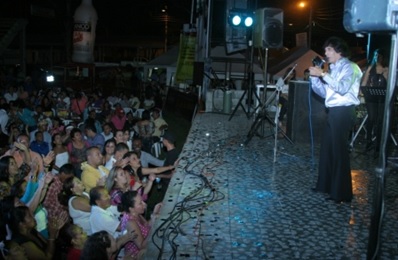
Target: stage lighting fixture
(238, 17)
(49, 77)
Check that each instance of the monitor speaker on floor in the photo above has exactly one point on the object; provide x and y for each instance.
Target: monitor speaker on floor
(298, 123)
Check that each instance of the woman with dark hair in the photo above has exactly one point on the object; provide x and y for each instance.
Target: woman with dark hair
(22, 224)
(108, 153)
(376, 75)
(75, 237)
(117, 183)
(134, 162)
(57, 126)
(99, 246)
(133, 208)
(60, 152)
(9, 171)
(77, 150)
(78, 202)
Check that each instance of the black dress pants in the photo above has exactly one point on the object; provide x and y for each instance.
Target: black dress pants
(334, 173)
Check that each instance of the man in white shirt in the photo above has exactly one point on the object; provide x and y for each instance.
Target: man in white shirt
(3, 120)
(11, 94)
(106, 217)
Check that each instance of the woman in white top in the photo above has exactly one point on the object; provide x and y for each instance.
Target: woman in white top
(78, 203)
(108, 153)
(60, 151)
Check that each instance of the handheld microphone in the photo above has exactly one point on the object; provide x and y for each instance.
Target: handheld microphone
(318, 62)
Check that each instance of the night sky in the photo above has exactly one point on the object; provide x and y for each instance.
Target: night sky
(131, 19)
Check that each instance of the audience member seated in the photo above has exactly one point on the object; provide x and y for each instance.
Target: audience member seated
(106, 110)
(11, 94)
(133, 208)
(107, 131)
(134, 101)
(38, 145)
(100, 245)
(105, 217)
(94, 173)
(108, 152)
(60, 152)
(51, 203)
(42, 126)
(22, 225)
(23, 155)
(57, 126)
(78, 202)
(117, 159)
(118, 119)
(140, 171)
(127, 139)
(145, 158)
(78, 104)
(76, 237)
(9, 171)
(119, 136)
(130, 124)
(92, 120)
(77, 150)
(25, 115)
(3, 119)
(144, 186)
(94, 138)
(117, 183)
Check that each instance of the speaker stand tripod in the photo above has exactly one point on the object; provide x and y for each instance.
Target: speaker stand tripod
(263, 115)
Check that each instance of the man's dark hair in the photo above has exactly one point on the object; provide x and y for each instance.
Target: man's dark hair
(339, 45)
(95, 194)
(90, 126)
(67, 168)
(121, 146)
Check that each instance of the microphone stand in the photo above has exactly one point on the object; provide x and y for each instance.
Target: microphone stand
(278, 90)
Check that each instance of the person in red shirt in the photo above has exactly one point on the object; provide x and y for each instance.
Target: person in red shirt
(77, 237)
(78, 104)
(119, 119)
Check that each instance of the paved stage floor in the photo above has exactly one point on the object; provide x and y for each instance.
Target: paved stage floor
(231, 201)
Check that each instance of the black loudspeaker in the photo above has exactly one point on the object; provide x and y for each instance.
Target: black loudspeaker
(268, 28)
(198, 70)
(298, 123)
(369, 15)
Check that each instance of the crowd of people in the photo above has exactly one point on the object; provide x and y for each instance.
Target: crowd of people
(76, 172)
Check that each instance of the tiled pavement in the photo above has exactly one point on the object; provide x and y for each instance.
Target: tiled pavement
(231, 201)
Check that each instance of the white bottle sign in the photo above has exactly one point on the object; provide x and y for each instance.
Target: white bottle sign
(85, 21)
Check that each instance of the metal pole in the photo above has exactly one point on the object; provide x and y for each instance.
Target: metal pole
(310, 27)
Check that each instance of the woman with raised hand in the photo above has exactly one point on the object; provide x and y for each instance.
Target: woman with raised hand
(78, 202)
(133, 220)
(22, 224)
